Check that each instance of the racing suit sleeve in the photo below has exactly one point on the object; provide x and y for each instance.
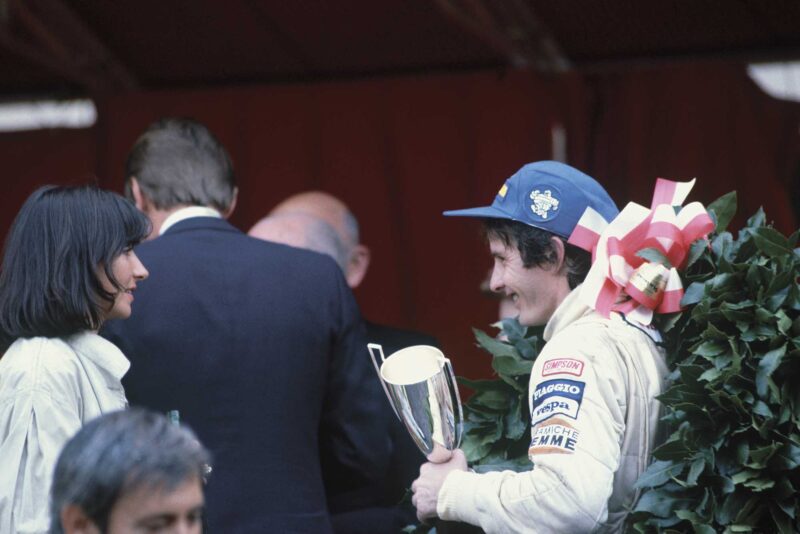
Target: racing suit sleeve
(577, 402)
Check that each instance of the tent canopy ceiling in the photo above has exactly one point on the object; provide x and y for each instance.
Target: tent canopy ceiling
(94, 46)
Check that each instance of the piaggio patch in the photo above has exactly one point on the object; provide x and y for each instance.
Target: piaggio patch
(557, 396)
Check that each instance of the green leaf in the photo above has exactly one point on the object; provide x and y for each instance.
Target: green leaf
(693, 294)
(724, 208)
(658, 473)
(771, 242)
(696, 251)
(494, 346)
(760, 456)
(711, 375)
(723, 484)
(784, 322)
(782, 520)
(661, 502)
(731, 506)
(475, 449)
(744, 476)
(710, 348)
(516, 424)
(512, 329)
(695, 471)
(758, 219)
(674, 450)
(759, 484)
(766, 366)
(511, 365)
(788, 458)
(722, 247)
(760, 408)
(654, 255)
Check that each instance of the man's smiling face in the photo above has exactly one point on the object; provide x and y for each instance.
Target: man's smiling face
(536, 291)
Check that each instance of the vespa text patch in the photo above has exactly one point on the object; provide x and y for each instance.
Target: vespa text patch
(562, 366)
(558, 396)
(554, 436)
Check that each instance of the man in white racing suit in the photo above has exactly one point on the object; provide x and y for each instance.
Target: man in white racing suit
(592, 390)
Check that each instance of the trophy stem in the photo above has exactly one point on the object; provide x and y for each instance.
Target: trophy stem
(454, 384)
(379, 348)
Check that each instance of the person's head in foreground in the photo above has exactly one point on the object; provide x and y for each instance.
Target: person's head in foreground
(178, 163)
(129, 472)
(527, 227)
(353, 256)
(68, 263)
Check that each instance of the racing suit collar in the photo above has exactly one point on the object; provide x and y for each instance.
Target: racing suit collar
(570, 309)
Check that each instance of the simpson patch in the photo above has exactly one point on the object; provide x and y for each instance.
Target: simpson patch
(562, 366)
(558, 396)
(554, 436)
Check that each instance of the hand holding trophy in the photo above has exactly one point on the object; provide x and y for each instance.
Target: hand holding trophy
(421, 387)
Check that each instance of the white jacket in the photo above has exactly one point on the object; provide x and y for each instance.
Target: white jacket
(594, 426)
(49, 388)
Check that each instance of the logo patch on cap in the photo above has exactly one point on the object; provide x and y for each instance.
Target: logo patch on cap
(545, 204)
(503, 191)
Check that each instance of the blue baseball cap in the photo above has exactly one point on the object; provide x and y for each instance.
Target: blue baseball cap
(548, 195)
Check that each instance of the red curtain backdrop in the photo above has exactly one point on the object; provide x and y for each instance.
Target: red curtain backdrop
(399, 151)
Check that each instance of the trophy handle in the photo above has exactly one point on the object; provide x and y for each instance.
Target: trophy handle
(375, 347)
(454, 386)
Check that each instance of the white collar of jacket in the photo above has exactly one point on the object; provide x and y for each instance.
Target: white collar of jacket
(570, 310)
(101, 352)
(187, 213)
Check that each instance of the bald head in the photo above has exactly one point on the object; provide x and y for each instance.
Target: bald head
(303, 231)
(326, 207)
(336, 214)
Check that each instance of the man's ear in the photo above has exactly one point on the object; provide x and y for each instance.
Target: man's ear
(357, 265)
(560, 253)
(139, 199)
(75, 521)
(228, 212)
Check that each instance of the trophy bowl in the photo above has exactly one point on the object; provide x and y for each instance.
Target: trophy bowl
(421, 387)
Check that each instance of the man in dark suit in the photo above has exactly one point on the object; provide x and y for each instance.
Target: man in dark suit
(253, 343)
(321, 222)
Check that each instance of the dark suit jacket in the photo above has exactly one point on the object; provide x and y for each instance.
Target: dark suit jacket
(380, 508)
(254, 343)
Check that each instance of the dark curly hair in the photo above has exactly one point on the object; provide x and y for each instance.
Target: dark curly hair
(536, 247)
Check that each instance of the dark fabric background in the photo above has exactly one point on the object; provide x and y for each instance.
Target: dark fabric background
(401, 150)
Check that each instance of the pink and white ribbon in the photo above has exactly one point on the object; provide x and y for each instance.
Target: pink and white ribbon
(619, 280)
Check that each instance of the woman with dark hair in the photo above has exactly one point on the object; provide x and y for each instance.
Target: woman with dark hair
(68, 266)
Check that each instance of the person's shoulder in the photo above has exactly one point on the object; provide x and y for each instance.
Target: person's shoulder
(588, 338)
(37, 361)
(596, 341)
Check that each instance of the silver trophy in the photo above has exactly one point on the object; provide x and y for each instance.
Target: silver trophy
(422, 390)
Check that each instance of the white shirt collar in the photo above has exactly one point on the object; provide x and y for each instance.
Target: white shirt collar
(187, 213)
(101, 352)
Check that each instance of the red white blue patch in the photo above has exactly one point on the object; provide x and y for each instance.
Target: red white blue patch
(562, 366)
(560, 396)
